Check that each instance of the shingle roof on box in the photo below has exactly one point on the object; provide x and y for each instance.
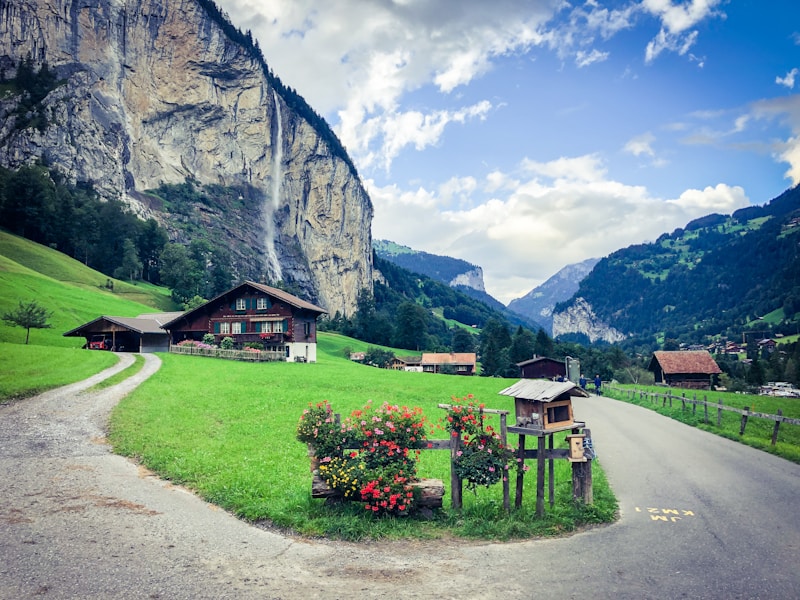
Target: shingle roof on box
(691, 361)
(448, 358)
(542, 390)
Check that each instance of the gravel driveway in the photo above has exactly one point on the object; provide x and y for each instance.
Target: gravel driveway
(79, 522)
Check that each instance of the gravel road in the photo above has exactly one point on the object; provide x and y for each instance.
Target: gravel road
(701, 517)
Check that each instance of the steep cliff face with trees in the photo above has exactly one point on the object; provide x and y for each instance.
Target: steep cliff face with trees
(132, 96)
(718, 275)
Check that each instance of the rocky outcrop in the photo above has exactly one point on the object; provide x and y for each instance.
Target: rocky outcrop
(155, 91)
(580, 318)
(538, 304)
(471, 279)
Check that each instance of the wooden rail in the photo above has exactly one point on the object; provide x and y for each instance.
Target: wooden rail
(243, 355)
(655, 397)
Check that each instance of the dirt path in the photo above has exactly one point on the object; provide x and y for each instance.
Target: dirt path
(79, 522)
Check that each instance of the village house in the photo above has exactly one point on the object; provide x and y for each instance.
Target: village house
(693, 369)
(459, 363)
(407, 363)
(540, 367)
(254, 312)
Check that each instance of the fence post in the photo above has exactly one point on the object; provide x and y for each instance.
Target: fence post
(520, 471)
(455, 480)
(705, 410)
(719, 412)
(683, 401)
(540, 477)
(504, 438)
(551, 475)
(775, 429)
(744, 420)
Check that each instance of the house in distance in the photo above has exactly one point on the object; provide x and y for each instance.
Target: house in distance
(693, 369)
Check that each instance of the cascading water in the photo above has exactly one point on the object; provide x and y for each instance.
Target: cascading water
(272, 203)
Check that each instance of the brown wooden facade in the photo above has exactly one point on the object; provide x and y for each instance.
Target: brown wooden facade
(253, 312)
(542, 368)
(692, 369)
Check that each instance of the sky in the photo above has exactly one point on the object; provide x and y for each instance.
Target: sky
(526, 135)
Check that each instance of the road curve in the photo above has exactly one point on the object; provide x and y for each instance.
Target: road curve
(701, 517)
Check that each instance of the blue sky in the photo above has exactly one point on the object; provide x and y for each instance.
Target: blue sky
(523, 136)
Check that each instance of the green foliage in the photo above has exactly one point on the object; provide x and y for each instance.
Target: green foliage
(705, 280)
(482, 459)
(22, 375)
(38, 204)
(226, 343)
(28, 315)
(378, 357)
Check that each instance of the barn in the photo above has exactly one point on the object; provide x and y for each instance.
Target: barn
(693, 369)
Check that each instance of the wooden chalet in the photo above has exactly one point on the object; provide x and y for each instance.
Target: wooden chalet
(693, 369)
(462, 363)
(540, 367)
(144, 333)
(407, 363)
(253, 312)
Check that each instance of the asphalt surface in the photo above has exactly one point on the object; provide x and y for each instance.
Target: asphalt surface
(701, 517)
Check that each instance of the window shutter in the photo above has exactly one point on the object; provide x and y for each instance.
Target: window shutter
(244, 326)
(216, 327)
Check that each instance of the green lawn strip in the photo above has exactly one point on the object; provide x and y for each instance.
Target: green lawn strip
(29, 370)
(227, 430)
(758, 432)
(138, 363)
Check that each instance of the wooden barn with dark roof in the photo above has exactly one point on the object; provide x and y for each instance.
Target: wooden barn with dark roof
(694, 369)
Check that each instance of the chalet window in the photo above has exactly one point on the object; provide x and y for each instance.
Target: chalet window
(307, 328)
(262, 304)
(237, 327)
(241, 304)
(224, 327)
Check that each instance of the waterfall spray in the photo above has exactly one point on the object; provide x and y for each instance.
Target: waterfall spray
(273, 203)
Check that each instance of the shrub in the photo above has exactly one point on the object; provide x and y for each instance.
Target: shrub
(226, 343)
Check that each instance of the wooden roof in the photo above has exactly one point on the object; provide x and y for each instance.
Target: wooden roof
(684, 361)
(543, 390)
(286, 297)
(152, 323)
(537, 359)
(448, 358)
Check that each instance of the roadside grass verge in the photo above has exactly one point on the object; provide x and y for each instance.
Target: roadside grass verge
(227, 431)
(758, 432)
(29, 370)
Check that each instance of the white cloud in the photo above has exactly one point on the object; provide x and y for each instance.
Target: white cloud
(559, 213)
(641, 144)
(788, 80)
(786, 110)
(584, 59)
(676, 22)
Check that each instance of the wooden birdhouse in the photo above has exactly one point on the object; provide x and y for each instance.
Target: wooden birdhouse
(544, 406)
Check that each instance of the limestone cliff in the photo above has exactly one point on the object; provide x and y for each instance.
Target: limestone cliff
(580, 318)
(156, 91)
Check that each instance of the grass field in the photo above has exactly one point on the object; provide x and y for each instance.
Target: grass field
(74, 293)
(227, 430)
(29, 370)
(758, 432)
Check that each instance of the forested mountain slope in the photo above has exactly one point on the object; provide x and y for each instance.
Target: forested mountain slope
(715, 276)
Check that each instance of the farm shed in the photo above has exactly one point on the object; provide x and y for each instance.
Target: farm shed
(144, 333)
(540, 367)
(693, 369)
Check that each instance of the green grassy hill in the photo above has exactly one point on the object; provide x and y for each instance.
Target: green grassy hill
(73, 292)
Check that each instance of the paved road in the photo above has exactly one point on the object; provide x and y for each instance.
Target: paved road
(701, 517)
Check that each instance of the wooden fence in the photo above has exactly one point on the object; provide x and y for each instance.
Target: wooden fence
(245, 355)
(719, 407)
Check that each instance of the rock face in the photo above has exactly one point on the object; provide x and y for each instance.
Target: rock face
(538, 304)
(471, 279)
(580, 318)
(155, 91)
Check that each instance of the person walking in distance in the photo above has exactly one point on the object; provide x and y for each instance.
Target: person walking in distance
(597, 383)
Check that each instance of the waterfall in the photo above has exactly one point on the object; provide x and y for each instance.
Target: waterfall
(273, 203)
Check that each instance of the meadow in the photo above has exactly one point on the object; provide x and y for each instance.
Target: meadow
(226, 430)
